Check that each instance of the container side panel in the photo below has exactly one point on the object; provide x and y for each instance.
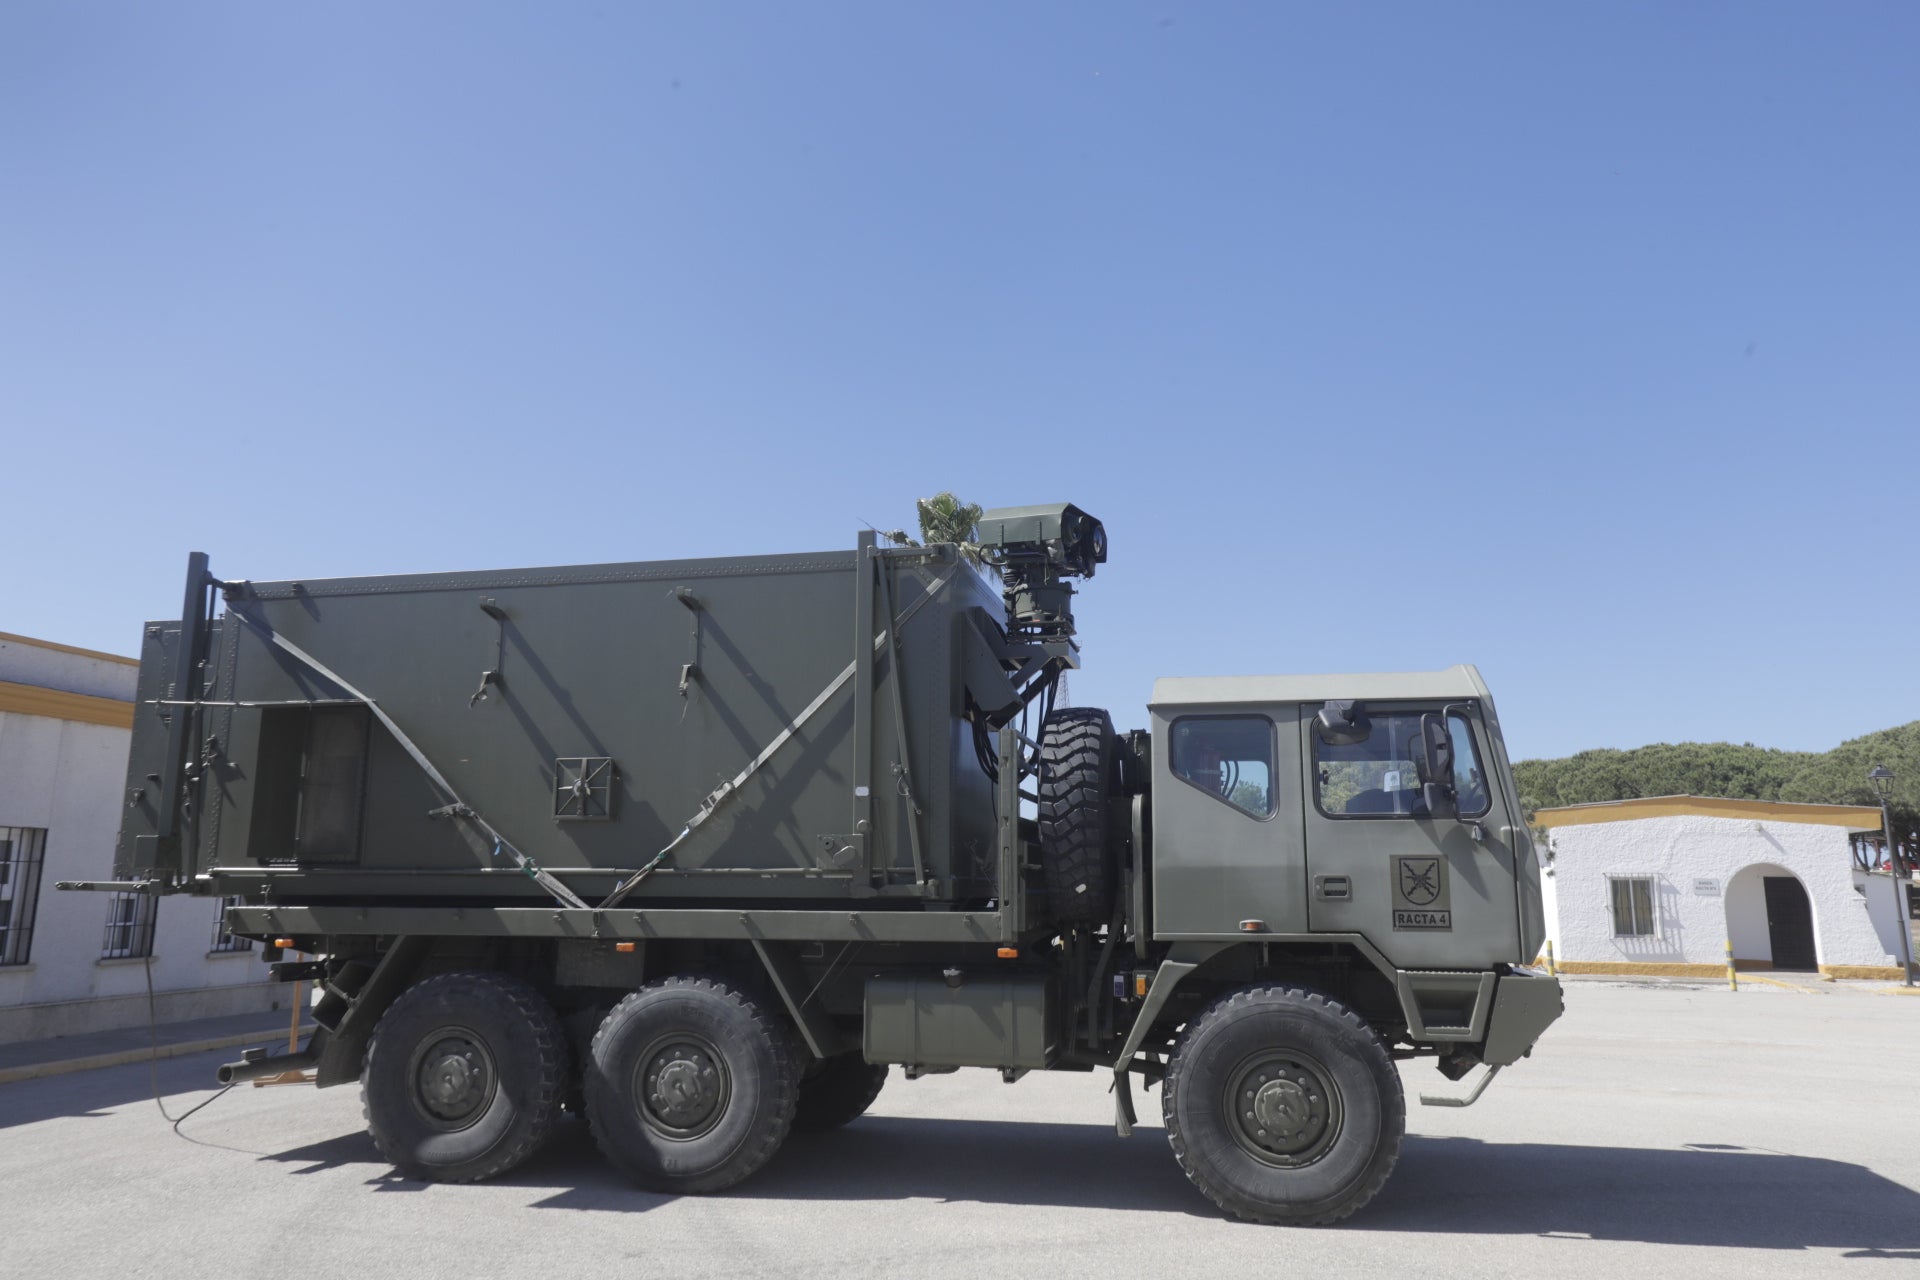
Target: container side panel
(620, 698)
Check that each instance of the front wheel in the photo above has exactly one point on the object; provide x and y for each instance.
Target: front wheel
(1283, 1106)
(691, 1085)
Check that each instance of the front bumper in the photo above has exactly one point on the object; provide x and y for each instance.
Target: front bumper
(1525, 1004)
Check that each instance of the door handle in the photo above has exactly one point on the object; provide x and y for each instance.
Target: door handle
(1333, 888)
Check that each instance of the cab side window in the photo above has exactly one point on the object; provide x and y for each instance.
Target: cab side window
(1378, 776)
(1230, 757)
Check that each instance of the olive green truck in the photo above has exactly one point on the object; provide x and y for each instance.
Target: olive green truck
(703, 848)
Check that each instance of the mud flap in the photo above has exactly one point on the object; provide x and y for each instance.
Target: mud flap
(1123, 1117)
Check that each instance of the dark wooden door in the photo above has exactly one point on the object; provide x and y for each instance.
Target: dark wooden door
(1789, 923)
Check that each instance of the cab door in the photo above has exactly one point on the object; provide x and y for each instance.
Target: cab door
(1226, 821)
(1430, 893)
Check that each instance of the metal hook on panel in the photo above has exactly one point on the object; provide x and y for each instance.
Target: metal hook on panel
(480, 695)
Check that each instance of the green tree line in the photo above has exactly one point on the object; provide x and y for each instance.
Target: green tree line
(1734, 771)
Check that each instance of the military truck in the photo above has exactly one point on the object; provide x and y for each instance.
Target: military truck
(703, 849)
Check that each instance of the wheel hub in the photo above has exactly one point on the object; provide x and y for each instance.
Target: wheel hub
(454, 1078)
(1283, 1109)
(682, 1089)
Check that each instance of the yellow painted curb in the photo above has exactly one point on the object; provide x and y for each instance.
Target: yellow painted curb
(1864, 972)
(1775, 982)
(1629, 969)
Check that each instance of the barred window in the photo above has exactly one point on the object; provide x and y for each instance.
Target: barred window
(223, 939)
(129, 926)
(1633, 915)
(21, 852)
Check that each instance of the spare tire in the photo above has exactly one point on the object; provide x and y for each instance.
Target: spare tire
(1075, 785)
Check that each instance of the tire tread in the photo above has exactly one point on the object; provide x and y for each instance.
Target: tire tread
(783, 1086)
(1075, 783)
(549, 1051)
(1393, 1104)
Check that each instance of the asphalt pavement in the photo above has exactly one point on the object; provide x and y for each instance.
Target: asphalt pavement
(1659, 1128)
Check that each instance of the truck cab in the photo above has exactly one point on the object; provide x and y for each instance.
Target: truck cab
(1303, 811)
(1267, 821)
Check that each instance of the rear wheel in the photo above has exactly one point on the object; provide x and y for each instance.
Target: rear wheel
(841, 1091)
(1283, 1106)
(1075, 786)
(463, 1077)
(691, 1086)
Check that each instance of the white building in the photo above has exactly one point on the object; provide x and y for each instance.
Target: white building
(1663, 885)
(75, 962)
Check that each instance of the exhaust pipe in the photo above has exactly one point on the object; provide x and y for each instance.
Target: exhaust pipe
(254, 1063)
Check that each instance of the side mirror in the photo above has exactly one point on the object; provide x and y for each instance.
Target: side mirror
(1343, 724)
(1436, 767)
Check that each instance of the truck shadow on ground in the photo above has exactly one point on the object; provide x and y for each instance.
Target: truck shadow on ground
(1704, 1194)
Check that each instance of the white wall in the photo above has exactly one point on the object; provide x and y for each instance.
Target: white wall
(1694, 925)
(1746, 911)
(25, 663)
(1882, 894)
(67, 778)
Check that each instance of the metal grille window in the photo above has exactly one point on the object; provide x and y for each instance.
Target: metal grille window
(223, 940)
(1633, 907)
(129, 926)
(21, 852)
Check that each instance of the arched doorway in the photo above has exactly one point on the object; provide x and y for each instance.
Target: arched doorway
(1770, 918)
(1789, 923)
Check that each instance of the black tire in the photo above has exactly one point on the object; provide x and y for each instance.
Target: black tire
(1283, 1106)
(463, 1077)
(691, 1086)
(1075, 785)
(841, 1091)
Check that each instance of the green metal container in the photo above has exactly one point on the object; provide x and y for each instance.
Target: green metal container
(965, 1020)
(791, 727)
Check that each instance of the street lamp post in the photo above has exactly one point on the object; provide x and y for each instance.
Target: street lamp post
(1881, 779)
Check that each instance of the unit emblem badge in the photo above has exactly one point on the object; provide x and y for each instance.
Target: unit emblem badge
(1420, 897)
(1420, 880)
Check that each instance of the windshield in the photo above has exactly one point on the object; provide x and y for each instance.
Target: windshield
(1380, 775)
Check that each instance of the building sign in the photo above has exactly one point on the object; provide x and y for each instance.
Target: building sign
(1707, 888)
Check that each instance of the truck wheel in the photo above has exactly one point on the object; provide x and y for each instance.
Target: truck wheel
(841, 1091)
(691, 1086)
(463, 1077)
(1075, 784)
(1283, 1106)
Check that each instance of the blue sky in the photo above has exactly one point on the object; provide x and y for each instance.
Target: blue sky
(1580, 344)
